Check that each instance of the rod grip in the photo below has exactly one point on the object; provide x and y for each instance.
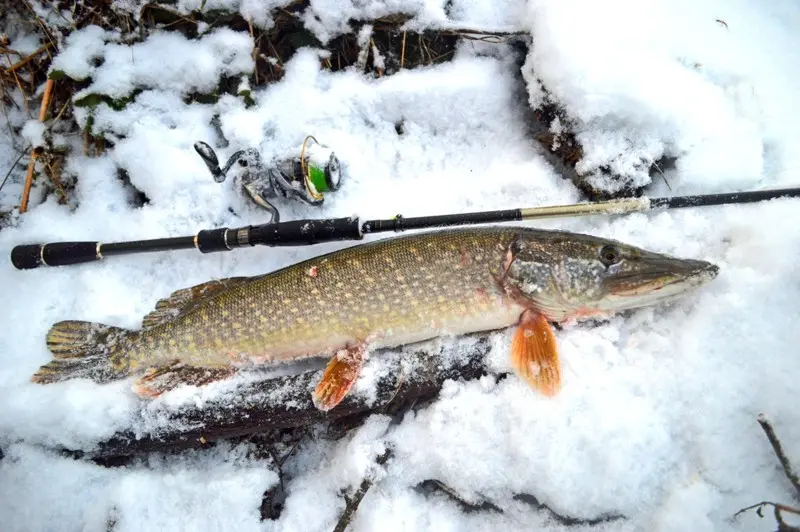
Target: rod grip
(305, 232)
(30, 256)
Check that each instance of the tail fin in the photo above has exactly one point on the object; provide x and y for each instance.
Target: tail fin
(82, 349)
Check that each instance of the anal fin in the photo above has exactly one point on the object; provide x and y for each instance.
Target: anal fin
(340, 375)
(534, 353)
(168, 377)
(180, 301)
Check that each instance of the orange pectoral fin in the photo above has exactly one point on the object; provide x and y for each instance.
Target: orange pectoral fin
(340, 375)
(534, 353)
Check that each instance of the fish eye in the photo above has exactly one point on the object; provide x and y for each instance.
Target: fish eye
(609, 255)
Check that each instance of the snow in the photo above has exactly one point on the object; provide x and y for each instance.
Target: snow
(652, 92)
(166, 60)
(81, 49)
(657, 418)
(215, 489)
(33, 133)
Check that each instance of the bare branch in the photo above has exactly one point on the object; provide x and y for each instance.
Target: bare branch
(565, 519)
(776, 446)
(782, 526)
(355, 500)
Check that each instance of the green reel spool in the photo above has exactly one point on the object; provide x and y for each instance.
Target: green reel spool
(317, 177)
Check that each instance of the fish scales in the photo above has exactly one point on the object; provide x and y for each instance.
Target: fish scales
(388, 292)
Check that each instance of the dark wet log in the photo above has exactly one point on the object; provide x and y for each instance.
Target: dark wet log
(272, 404)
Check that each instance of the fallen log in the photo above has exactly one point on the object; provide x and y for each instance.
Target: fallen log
(260, 405)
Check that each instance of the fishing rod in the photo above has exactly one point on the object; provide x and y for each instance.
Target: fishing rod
(309, 232)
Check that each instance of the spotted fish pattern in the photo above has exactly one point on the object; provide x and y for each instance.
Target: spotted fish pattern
(385, 293)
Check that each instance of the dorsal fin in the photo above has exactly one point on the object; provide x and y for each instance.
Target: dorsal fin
(180, 301)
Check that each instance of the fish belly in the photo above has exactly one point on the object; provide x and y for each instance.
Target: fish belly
(499, 317)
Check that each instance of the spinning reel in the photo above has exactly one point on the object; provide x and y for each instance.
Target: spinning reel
(304, 177)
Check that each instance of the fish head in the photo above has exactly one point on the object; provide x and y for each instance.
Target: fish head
(573, 276)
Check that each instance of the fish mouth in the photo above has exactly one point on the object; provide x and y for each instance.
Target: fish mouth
(661, 279)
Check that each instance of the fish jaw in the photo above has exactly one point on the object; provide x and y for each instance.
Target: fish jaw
(662, 283)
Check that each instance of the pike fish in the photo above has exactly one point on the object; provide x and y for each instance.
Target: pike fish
(386, 293)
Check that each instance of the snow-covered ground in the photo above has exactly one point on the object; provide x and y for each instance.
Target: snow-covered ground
(657, 417)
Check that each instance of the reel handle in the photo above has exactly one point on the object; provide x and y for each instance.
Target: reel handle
(30, 256)
(305, 232)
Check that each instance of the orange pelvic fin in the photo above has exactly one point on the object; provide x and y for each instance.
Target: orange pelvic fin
(168, 377)
(534, 353)
(340, 375)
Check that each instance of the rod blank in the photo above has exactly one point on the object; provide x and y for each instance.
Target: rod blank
(310, 232)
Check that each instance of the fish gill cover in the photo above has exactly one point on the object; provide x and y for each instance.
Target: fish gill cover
(547, 103)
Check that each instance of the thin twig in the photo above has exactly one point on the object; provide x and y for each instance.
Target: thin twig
(440, 56)
(274, 51)
(28, 59)
(22, 90)
(463, 32)
(776, 446)
(21, 155)
(57, 182)
(278, 463)
(400, 381)
(53, 10)
(39, 20)
(790, 474)
(403, 51)
(58, 115)
(485, 505)
(564, 519)
(466, 31)
(491, 39)
(437, 485)
(782, 526)
(7, 51)
(664, 177)
(254, 53)
(272, 498)
(291, 451)
(355, 500)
